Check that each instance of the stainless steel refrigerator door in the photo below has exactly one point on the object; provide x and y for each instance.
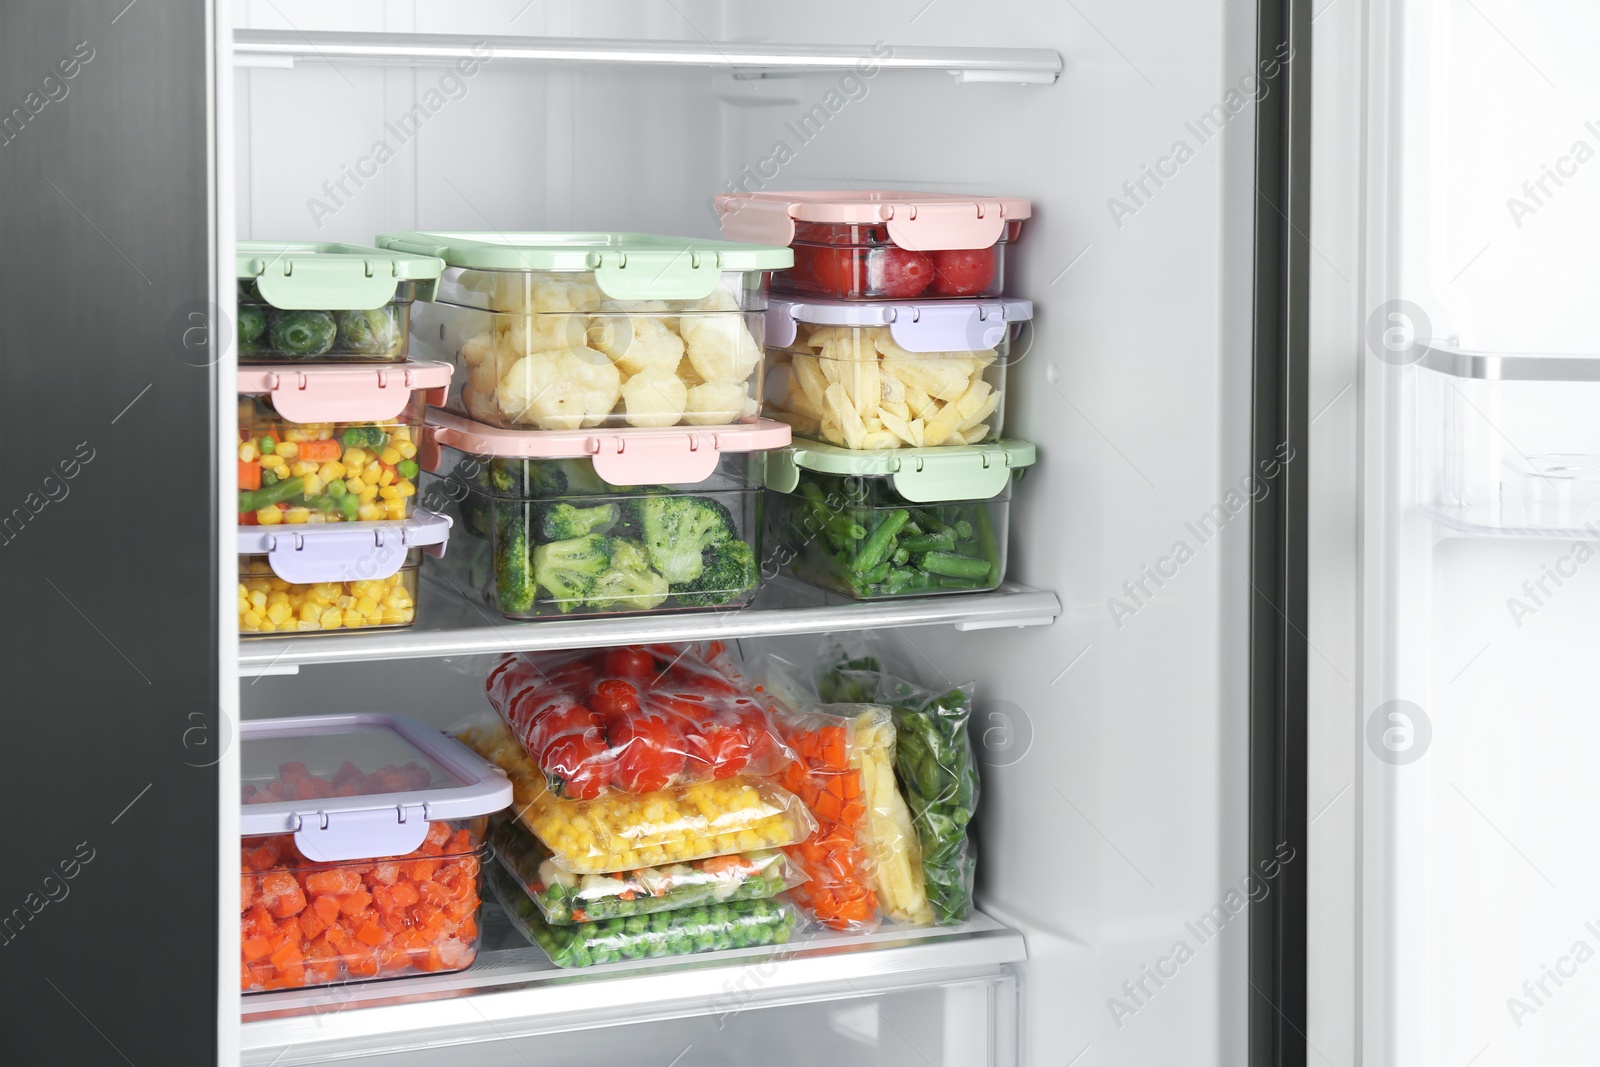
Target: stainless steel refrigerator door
(110, 727)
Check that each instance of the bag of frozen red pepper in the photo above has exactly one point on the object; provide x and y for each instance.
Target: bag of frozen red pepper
(634, 719)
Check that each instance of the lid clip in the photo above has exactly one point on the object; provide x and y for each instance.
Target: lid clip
(372, 833)
(665, 459)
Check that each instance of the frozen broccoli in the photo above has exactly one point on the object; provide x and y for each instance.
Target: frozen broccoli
(514, 585)
(252, 330)
(728, 571)
(677, 530)
(302, 333)
(563, 521)
(529, 479)
(371, 333)
(629, 582)
(569, 570)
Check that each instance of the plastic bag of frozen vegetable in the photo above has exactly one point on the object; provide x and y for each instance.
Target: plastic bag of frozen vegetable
(565, 898)
(934, 762)
(624, 831)
(713, 928)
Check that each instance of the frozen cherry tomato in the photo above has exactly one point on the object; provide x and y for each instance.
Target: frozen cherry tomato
(898, 273)
(577, 766)
(963, 271)
(649, 754)
(633, 663)
(556, 723)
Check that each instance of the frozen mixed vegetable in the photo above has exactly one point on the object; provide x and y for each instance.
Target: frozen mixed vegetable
(713, 928)
(314, 472)
(269, 604)
(859, 537)
(634, 719)
(565, 898)
(934, 764)
(304, 923)
(854, 386)
(623, 831)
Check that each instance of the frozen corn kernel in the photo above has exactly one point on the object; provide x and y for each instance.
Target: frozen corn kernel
(297, 516)
(331, 471)
(272, 461)
(247, 452)
(287, 449)
(390, 455)
(271, 604)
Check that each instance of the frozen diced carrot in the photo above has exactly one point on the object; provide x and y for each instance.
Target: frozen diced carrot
(338, 938)
(327, 908)
(286, 953)
(257, 923)
(337, 880)
(404, 894)
(361, 962)
(371, 933)
(262, 857)
(383, 874)
(256, 948)
(311, 924)
(356, 902)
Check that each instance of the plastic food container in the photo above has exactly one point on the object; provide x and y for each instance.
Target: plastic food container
(708, 928)
(331, 578)
(566, 331)
(879, 244)
(900, 522)
(361, 849)
(891, 375)
(564, 898)
(601, 522)
(624, 831)
(302, 300)
(331, 443)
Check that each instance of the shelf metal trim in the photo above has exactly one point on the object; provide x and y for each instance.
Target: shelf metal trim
(263, 47)
(1510, 366)
(455, 626)
(518, 992)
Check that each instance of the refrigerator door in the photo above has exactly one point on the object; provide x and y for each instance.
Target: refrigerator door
(116, 658)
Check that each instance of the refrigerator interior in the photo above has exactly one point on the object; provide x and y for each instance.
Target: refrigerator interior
(1453, 912)
(1112, 824)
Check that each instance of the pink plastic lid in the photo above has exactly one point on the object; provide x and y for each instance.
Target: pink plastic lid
(922, 222)
(674, 455)
(344, 392)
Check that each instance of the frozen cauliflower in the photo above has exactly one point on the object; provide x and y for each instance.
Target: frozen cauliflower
(526, 334)
(534, 292)
(720, 347)
(715, 403)
(635, 336)
(654, 397)
(563, 389)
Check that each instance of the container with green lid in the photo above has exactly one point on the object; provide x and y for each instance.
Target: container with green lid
(305, 300)
(873, 524)
(570, 331)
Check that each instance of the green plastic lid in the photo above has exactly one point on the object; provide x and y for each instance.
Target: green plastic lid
(921, 475)
(626, 266)
(329, 276)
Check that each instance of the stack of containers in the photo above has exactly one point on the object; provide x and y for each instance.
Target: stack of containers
(599, 443)
(361, 852)
(649, 819)
(330, 418)
(889, 342)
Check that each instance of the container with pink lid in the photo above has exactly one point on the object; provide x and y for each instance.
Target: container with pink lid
(600, 521)
(332, 442)
(881, 244)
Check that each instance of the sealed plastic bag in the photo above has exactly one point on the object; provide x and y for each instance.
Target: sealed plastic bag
(565, 898)
(741, 924)
(632, 720)
(622, 831)
(934, 763)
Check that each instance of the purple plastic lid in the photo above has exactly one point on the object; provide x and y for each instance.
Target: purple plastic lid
(408, 775)
(938, 326)
(344, 552)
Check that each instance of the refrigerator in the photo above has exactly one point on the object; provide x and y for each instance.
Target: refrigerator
(1308, 397)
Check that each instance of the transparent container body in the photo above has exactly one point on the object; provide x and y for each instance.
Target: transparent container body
(269, 334)
(268, 604)
(1518, 458)
(856, 535)
(707, 928)
(545, 350)
(564, 898)
(544, 538)
(860, 261)
(308, 924)
(317, 472)
(855, 387)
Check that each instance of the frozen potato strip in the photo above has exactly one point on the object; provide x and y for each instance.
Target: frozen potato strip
(811, 379)
(937, 430)
(845, 415)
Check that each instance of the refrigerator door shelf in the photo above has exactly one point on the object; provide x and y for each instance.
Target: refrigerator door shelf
(1509, 366)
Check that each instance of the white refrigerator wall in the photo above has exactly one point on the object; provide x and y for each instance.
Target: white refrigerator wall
(1114, 809)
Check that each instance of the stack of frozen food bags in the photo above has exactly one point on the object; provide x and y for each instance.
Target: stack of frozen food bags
(648, 818)
(330, 419)
(888, 343)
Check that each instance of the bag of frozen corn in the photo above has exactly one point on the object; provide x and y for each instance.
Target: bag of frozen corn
(624, 831)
